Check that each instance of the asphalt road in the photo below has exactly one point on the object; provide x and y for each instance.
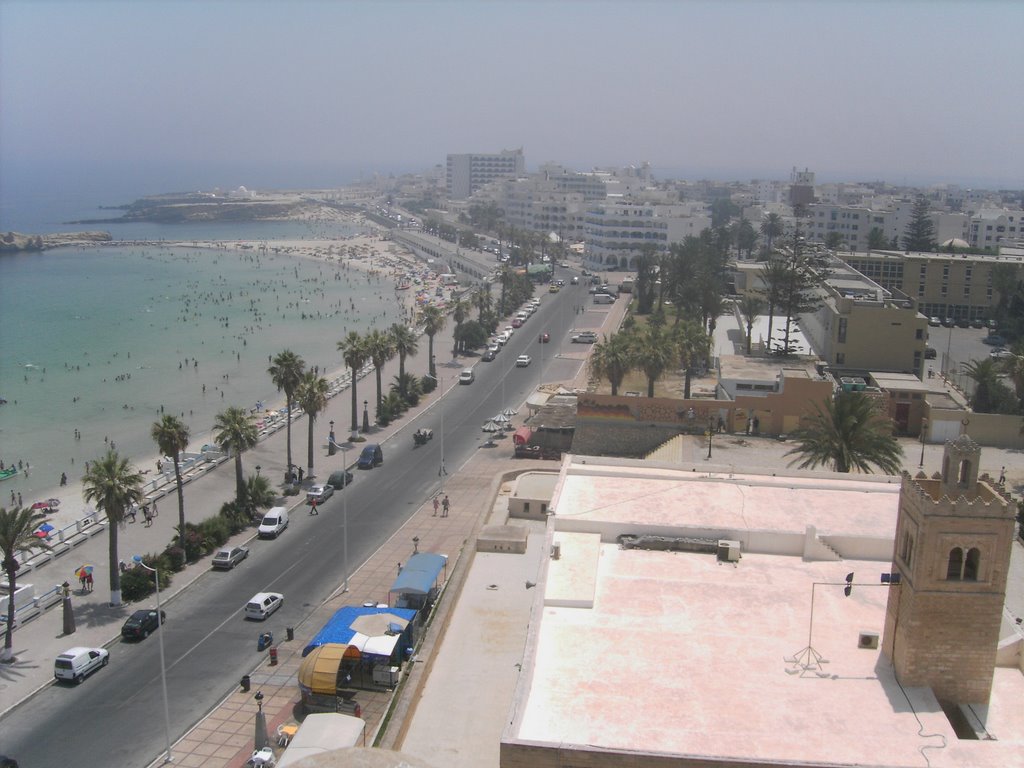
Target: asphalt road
(115, 717)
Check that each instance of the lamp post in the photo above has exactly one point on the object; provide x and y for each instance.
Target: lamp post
(261, 740)
(366, 416)
(440, 403)
(258, 468)
(163, 667)
(330, 440)
(344, 518)
(711, 432)
(924, 428)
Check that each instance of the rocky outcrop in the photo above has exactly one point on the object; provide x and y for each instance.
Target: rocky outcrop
(11, 242)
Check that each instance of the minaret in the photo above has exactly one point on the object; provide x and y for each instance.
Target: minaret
(954, 534)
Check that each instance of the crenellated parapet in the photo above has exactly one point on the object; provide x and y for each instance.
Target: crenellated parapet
(930, 496)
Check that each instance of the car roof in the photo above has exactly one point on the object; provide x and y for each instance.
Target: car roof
(259, 597)
(78, 649)
(142, 612)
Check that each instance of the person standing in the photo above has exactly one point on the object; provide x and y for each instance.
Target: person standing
(436, 505)
(312, 508)
(445, 505)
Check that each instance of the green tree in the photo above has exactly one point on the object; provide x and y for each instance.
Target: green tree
(354, 353)
(482, 300)
(434, 320)
(990, 394)
(256, 495)
(653, 354)
(771, 228)
(745, 236)
(405, 344)
(920, 232)
(460, 314)
(235, 432)
(171, 436)
(850, 433)
(646, 273)
(1005, 281)
(286, 372)
(833, 241)
(311, 396)
(470, 335)
(774, 276)
(380, 347)
(17, 534)
(751, 308)
(612, 359)
(114, 486)
(877, 240)
(690, 344)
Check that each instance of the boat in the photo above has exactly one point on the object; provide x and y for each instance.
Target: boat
(9, 472)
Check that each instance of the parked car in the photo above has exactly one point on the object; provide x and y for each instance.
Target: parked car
(934, 322)
(544, 338)
(977, 323)
(319, 493)
(229, 557)
(466, 377)
(575, 280)
(340, 480)
(930, 353)
(262, 604)
(1000, 353)
(522, 361)
(371, 457)
(273, 523)
(488, 355)
(564, 264)
(77, 663)
(584, 337)
(517, 322)
(994, 340)
(948, 322)
(141, 623)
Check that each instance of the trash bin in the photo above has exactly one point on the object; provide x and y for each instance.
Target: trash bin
(290, 632)
(273, 655)
(246, 683)
(265, 640)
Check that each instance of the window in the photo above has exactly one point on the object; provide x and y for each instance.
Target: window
(959, 568)
(842, 330)
(919, 333)
(954, 565)
(840, 358)
(907, 548)
(971, 564)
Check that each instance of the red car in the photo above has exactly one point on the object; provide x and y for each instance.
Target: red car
(543, 338)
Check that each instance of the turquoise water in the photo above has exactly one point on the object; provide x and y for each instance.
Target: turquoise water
(104, 340)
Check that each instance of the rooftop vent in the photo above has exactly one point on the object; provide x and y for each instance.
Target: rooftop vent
(728, 551)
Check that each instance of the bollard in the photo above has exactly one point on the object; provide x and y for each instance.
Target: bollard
(273, 655)
(246, 683)
(290, 632)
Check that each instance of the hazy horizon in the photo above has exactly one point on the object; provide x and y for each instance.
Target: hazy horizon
(169, 96)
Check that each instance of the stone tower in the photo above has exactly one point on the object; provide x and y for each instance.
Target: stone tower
(953, 539)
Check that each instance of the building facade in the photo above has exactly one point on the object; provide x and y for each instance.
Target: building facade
(615, 234)
(468, 172)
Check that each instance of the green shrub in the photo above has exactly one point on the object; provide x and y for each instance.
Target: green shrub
(174, 556)
(214, 531)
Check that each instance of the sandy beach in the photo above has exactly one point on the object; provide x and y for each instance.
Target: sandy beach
(368, 253)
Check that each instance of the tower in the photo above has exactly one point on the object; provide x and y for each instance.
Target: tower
(952, 551)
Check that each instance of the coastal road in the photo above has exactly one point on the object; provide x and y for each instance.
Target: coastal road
(115, 717)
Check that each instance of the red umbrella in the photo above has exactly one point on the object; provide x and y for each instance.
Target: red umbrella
(41, 505)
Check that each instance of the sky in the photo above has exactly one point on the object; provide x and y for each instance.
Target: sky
(169, 95)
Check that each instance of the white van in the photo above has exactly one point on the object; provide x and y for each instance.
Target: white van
(77, 663)
(603, 298)
(275, 521)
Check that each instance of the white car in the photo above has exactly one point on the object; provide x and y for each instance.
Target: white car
(509, 330)
(522, 361)
(584, 337)
(319, 494)
(466, 377)
(77, 663)
(494, 348)
(262, 604)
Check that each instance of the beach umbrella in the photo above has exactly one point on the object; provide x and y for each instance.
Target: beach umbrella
(41, 505)
(501, 418)
(510, 412)
(54, 503)
(83, 571)
(43, 531)
(491, 428)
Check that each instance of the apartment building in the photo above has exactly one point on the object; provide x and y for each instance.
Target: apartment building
(468, 172)
(991, 227)
(944, 285)
(616, 233)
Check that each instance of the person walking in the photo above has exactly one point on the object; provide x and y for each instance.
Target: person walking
(312, 508)
(436, 505)
(88, 582)
(146, 514)
(445, 505)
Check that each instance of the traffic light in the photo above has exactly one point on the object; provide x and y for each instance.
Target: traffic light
(849, 584)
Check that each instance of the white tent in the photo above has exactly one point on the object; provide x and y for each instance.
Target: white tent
(320, 733)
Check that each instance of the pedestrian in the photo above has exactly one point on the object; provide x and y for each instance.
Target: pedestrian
(445, 505)
(132, 513)
(12, 498)
(757, 426)
(19, 498)
(63, 478)
(1002, 476)
(436, 505)
(155, 510)
(81, 580)
(88, 582)
(312, 508)
(300, 474)
(146, 514)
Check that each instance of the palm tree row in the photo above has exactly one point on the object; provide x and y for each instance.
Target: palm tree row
(651, 349)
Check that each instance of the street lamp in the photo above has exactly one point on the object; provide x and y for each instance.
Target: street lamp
(440, 403)
(924, 428)
(366, 416)
(163, 665)
(344, 516)
(330, 440)
(711, 431)
(258, 468)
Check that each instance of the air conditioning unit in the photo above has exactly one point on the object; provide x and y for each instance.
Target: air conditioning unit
(867, 640)
(387, 676)
(728, 551)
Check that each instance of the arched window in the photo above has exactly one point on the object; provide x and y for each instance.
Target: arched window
(965, 472)
(971, 564)
(955, 566)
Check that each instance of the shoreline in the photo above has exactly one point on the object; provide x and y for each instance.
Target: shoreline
(363, 252)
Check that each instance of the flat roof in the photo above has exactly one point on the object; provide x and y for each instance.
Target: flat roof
(902, 382)
(746, 368)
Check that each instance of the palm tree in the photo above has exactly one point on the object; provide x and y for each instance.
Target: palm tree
(771, 228)
(235, 432)
(990, 394)
(434, 320)
(460, 313)
(851, 432)
(311, 396)
(286, 372)
(482, 300)
(171, 436)
(113, 485)
(380, 348)
(774, 275)
(751, 306)
(405, 344)
(612, 359)
(256, 495)
(353, 351)
(17, 534)
(691, 344)
(654, 353)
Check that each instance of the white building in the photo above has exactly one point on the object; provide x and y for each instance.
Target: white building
(616, 233)
(990, 227)
(467, 173)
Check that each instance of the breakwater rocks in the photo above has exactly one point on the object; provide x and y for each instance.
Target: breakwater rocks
(12, 242)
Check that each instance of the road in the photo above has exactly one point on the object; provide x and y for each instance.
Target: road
(115, 717)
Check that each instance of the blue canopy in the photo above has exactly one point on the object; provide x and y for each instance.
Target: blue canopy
(338, 628)
(419, 574)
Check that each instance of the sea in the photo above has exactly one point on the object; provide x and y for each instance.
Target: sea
(97, 343)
